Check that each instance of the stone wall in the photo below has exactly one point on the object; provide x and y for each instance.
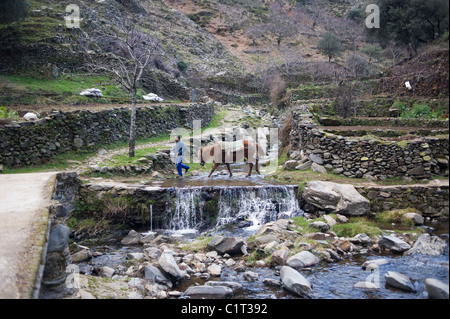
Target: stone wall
(431, 201)
(369, 158)
(34, 143)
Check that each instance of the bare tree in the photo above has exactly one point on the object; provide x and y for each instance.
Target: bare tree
(127, 54)
(281, 26)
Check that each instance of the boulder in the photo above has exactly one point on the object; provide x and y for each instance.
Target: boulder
(316, 159)
(305, 166)
(229, 284)
(133, 238)
(168, 265)
(361, 239)
(152, 253)
(323, 227)
(436, 289)
(335, 198)
(290, 165)
(399, 281)
(330, 220)
(271, 282)
(107, 272)
(92, 93)
(294, 282)
(251, 276)
(153, 98)
(156, 276)
(302, 259)
(219, 292)
(265, 239)
(394, 244)
(228, 245)
(81, 256)
(417, 219)
(316, 168)
(428, 245)
(58, 239)
(375, 262)
(214, 270)
(365, 285)
(30, 117)
(342, 219)
(280, 256)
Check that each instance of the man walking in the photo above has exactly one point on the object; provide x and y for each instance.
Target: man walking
(180, 150)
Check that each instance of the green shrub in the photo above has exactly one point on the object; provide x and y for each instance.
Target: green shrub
(357, 226)
(6, 113)
(182, 66)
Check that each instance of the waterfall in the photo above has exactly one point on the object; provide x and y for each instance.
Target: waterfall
(256, 205)
(188, 212)
(151, 218)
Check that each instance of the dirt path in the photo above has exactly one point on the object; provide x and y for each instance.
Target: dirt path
(23, 200)
(229, 122)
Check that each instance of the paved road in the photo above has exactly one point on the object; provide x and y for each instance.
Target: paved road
(23, 200)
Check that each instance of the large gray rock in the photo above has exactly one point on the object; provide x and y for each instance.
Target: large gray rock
(156, 276)
(280, 256)
(219, 292)
(399, 281)
(305, 166)
(251, 276)
(417, 219)
(214, 270)
(302, 259)
(336, 198)
(133, 238)
(229, 284)
(290, 165)
(436, 289)
(294, 282)
(227, 245)
(323, 227)
(316, 159)
(394, 244)
(169, 266)
(429, 246)
(152, 253)
(58, 239)
(316, 168)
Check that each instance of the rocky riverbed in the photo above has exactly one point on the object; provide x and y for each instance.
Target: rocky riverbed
(281, 260)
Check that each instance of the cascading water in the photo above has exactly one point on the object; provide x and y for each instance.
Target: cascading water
(188, 212)
(256, 205)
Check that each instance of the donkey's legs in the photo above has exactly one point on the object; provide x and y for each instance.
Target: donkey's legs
(257, 167)
(229, 170)
(250, 169)
(216, 165)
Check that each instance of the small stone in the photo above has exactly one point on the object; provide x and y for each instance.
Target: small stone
(375, 262)
(214, 270)
(330, 220)
(366, 285)
(271, 282)
(251, 276)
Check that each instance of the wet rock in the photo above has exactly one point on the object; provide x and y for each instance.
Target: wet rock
(219, 292)
(133, 238)
(271, 282)
(417, 219)
(229, 284)
(174, 294)
(394, 244)
(436, 289)
(294, 282)
(280, 256)
(365, 285)
(251, 276)
(167, 263)
(376, 262)
(335, 198)
(302, 259)
(227, 245)
(334, 255)
(399, 281)
(429, 246)
(214, 270)
(156, 276)
(81, 256)
(323, 227)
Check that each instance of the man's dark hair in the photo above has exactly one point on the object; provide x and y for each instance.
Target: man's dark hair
(179, 137)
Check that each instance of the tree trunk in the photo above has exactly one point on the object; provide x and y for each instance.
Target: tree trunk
(132, 143)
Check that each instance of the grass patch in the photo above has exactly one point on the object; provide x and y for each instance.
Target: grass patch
(396, 217)
(198, 245)
(302, 224)
(355, 226)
